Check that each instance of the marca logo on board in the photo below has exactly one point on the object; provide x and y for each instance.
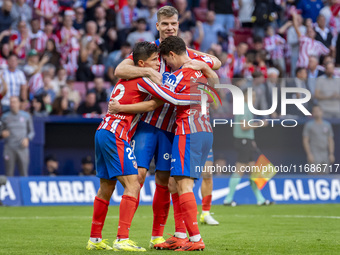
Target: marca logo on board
(61, 191)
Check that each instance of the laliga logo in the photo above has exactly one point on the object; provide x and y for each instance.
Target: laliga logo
(238, 99)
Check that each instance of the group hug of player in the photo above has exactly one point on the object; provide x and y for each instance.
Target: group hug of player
(159, 79)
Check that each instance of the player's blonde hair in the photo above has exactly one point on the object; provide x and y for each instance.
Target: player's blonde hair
(167, 11)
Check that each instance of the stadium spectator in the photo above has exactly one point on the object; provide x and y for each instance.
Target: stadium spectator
(60, 80)
(49, 32)
(38, 108)
(60, 106)
(68, 44)
(5, 15)
(245, 12)
(224, 13)
(20, 11)
(210, 29)
(313, 73)
(244, 143)
(150, 13)
(19, 41)
(323, 33)
(274, 44)
(33, 65)
(3, 89)
(47, 11)
(65, 93)
(90, 57)
(89, 105)
(310, 8)
(140, 35)
(38, 39)
(4, 54)
(126, 18)
(73, 94)
(105, 28)
(273, 82)
(327, 92)
(47, 102)
(87, 167)
(293, 42)
(318, 140)
(52, 53)
(17, 131)
(51, 165)
(99, 90)
(185, 17)
(239, 58)
(265, 13)
(114, 59)
(79, 21)
(300, 81)
(16, 82)
(259, 89)
(91, 34)
(308, 44)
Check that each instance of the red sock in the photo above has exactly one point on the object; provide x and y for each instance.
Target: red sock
(160, 206)
(179, 223)
(100, 207)
(125, 216)
(137, 203)
(206, 203)
(189, 211)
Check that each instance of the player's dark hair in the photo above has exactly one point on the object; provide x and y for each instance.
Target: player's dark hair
(166, 11)
(143, 50)
(174, 44)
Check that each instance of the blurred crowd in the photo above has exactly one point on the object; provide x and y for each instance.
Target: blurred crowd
(59, 57)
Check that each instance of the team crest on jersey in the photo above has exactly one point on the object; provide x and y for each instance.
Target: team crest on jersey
(165, 77)
(171, 82)
(134, 162)
(191, 111)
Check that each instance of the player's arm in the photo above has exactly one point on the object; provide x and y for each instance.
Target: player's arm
(295, 24)
(165, 94)
(127, 70)
(145, 106)
(216, 62)
(331, 148)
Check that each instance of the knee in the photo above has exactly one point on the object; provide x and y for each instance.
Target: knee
(133, 188)
(172, 187)
(162, 178)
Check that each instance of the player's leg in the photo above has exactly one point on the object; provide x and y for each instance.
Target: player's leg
(234, 180)
(244, 154)
(192, 154)
(206, 192)
(161, 200)
(188, 207)
(10, 159)
(23, 161)
(128, 177)
(144, 144)
(258, 194)
(107, 186)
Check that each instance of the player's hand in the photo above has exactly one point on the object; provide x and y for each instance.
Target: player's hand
(331, 158)
(25, 143)
(196, 65)
(114, 107)
(155, 76)
(310, 159)
(5, 134)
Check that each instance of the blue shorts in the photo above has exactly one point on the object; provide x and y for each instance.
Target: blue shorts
(150, 141)
(114, 156)
(210, 156)
(189, 154)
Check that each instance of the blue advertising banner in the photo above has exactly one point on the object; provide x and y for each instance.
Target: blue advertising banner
(74, 190)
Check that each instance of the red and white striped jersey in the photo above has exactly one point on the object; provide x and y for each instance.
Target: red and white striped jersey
(16, 39)
(164, 116)
(38, 41)
(309, 47)
(47, 7)
(189, 118)
(275, 46)
(35, 83)
(137, 90)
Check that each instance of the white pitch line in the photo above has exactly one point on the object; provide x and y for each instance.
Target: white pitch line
(65, 217)
(306, 216)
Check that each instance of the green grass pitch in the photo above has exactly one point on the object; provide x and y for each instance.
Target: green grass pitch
(277, 229)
